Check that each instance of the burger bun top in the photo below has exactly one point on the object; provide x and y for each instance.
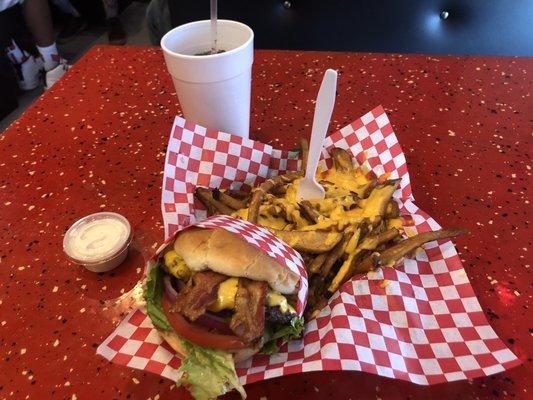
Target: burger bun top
(226, 253)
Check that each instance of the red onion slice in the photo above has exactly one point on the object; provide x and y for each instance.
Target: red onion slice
(214, 322)
(170, 292)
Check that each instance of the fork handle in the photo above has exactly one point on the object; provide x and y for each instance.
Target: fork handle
(323, 110)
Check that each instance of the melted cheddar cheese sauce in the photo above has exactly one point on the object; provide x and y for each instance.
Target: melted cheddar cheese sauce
(227, 291)
(275, 299)
(265, 218)
(342, 207)
(343, 184)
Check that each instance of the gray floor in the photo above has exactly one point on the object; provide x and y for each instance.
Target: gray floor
(133, 19)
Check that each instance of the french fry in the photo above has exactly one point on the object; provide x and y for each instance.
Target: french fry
(228, 200)
(351, 264)
(308, 259)
(354, 239)
(393, 254)
(342, 161)
(371, 242)
(307, 210)
(342, 273)
(264, 188)
(290, 212)
(377, 224)
(314, 242)
(304, 144)
(316, 263)
(317, 306)
(395, 223)
(275, 211)
(369, 188)
(290, 227)
(239, 194)
(335, 254)
(316, 296)
(393, 210)
(213, 206)
(279, 191)
(376, 203)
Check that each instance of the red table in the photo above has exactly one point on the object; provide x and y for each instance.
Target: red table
(96, 141)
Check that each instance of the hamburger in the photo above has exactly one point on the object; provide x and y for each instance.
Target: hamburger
(216, 300)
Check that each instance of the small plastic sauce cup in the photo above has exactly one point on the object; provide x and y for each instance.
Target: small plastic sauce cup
(98, 241)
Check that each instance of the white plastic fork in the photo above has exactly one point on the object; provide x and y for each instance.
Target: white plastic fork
(309, 188)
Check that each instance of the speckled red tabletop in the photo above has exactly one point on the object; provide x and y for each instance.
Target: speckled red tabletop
(96, 141)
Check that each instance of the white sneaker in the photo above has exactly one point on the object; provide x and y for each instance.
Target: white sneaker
(29, 72)
(56, 73)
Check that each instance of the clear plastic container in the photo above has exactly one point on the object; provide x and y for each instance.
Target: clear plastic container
(98, 241)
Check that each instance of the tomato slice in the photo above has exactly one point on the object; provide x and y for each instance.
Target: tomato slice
(198, 334)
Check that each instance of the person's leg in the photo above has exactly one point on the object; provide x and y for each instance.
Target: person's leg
(75, 23)
(67, 7)
(158, 20)
(111, 8)
(15, 53)
(116, 32)
(39, 21)
(28, 67)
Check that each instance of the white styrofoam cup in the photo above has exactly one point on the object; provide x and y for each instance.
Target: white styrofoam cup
(213, 90)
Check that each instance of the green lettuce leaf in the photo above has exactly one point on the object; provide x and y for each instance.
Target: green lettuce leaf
(283, 334)
(208, 373)
(153, 293)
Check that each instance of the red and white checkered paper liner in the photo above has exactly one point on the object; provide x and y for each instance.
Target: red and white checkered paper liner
(419, 321)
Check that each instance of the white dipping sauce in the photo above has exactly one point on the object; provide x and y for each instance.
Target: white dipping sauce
(98, 239)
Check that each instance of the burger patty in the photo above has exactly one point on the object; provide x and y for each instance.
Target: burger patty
(275, 316)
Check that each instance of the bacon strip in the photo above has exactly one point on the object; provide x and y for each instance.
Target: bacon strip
(248, 320)
(199, 293)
